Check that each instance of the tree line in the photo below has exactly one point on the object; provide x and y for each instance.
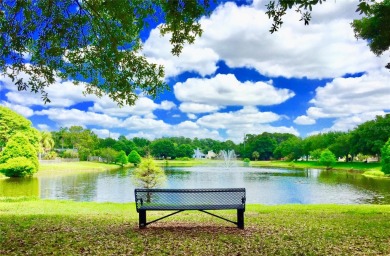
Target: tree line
(367, 139)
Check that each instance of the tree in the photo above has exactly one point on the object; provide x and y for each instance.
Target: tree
(163, 148)
(327, 158)
(19, 147)
(108, 154)
(121, 158)
(375, 28)
(255, 155)
(184, 150)
(46, 141)
(292, 148)
(385, 161)
(148, 174)
(93, 41)
(12, 123)
(134, 158)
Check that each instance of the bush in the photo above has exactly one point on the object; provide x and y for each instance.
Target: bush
(121, 158)
(327, 158)
(149, 175)
(246, 160)
(385, 161)
(19, 146)
(50, 156)
(18, 167)
(134, 158)
(69, 153)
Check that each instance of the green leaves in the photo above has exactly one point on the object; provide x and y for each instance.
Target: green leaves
(93, 41)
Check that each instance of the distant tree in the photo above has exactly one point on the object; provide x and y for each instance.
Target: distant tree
(368, 138)
(121, 158)
(184, 150)
(385, 161)
(148, 174)
(255, 155)
(342, 146)
(316, 154)
(163, 148)
(291, 149)
(46, 141)
(327, 158)
(19, 147)
(134, 158)
(108, 154)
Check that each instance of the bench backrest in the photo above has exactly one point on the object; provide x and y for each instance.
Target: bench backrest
(191, 198)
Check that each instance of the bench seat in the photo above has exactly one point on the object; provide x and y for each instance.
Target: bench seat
(190, 199)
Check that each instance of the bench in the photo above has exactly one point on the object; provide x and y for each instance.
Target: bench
(179, 200)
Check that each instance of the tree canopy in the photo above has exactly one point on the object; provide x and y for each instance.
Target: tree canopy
(98, 42)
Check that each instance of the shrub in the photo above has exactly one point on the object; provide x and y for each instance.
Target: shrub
(121, 158)
(385, 161)
(327, 158)
(134, 158)
(148, 174)
(246, 160)
(18, 167)
(19, 146)
(69, 153)
(50, 156)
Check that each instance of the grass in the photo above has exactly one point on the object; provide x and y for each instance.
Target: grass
(63, 168)
(43, 227)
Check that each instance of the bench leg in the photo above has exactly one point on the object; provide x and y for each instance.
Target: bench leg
(240, 218)
(142, 219)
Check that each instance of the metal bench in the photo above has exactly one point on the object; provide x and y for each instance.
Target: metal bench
(179, 200)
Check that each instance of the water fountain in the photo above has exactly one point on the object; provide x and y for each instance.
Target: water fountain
(228, 157)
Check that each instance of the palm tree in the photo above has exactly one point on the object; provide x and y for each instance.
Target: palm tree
(47, 142)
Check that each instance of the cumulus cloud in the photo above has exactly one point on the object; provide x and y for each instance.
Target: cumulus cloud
(344, 97)
(239, 35)
(304, 120)
(226, 90)
(190, 107)
(196, 58)
(69, 117)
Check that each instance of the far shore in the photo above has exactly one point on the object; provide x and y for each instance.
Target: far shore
(64, 168)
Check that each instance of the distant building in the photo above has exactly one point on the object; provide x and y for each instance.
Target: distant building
(210, 155)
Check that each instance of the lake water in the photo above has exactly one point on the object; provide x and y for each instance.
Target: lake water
(263, 185)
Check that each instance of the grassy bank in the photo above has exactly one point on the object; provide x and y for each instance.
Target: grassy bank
(63, 168)
(39, 227)
(356, 166)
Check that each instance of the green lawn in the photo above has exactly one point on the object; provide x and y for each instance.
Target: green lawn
(42, 227)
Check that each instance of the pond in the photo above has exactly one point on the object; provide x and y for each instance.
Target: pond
(263, 185)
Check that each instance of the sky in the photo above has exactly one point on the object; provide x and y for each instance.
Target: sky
(236, 79)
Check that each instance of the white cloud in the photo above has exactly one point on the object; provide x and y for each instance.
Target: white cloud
(190, 107)
(65, 117)
(196, 58)
(304, 120)
(43, 127)
(344, 97)
(243, 118)
(240, 36)
(105, 133)
(192, 116)
(226, 90)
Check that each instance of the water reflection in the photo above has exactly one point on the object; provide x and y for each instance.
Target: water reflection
(264, 185)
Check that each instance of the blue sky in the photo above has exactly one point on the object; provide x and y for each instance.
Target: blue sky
(236, 79)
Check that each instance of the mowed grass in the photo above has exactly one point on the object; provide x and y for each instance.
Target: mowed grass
(43, 227)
